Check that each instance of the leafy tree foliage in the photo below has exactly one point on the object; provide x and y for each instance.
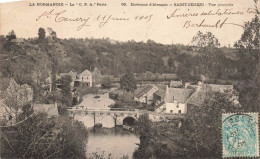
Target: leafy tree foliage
(171, 62)
(11, 35)
(249, 47)
(144, 129)
(106, 82)
(196, 136)
(249, 67)
(41, 34)
(205, 40)
(209, 54)
(66, 90)
(204, 123)
(41, 137)
(128, 82)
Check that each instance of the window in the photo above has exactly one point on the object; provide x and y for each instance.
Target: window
(177, 106)
(171, 111)
(179, 111)
(82, 78)
(173, 98)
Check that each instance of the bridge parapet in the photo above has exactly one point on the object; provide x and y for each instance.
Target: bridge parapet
(118, 114)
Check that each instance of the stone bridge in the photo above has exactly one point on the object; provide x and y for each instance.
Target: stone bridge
(110, 117)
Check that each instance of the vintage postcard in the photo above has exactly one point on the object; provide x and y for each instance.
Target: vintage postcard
(129, 79)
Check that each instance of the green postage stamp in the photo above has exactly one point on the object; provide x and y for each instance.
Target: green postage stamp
(240, 136)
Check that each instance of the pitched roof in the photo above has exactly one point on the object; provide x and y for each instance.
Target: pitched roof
(145, 90)
(197, 98)
(86, 73)
(160, 92)
(50, 109)
(180, 94)
(159, 105)
(161, 86)
(175, 83)
(219, 88)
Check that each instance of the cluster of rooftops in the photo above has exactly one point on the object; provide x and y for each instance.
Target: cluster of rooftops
(176, 91)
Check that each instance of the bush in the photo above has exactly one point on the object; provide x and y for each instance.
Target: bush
(42, 137)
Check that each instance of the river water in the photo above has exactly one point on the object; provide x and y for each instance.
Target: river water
(114, 142)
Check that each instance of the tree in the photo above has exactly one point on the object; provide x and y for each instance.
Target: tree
(204, 124)
(11, 35)
(38, 136)
(106, 82)
(249, 66)
(185, 67)
(249, 45)
(144, 129)
(41, 34)
(207, 46)
(171, 62)
(66, 90)
(128, 82)
(205, 40)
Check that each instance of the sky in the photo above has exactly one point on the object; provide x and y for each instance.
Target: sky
(172, 24)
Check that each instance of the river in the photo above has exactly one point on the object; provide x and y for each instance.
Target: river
(106, 140)
(113, 142)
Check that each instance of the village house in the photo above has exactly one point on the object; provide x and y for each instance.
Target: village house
(86, 78)
(175, 101)
(146, 95)
(159, 95)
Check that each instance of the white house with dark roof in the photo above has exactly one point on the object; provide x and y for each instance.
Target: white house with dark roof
(175, 101)
(86, 77)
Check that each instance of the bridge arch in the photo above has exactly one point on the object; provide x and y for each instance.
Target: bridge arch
(108, 121)
(87, 120)
(129, 120)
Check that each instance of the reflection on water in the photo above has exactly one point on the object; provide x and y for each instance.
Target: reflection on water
(115, 141)
(88, 120)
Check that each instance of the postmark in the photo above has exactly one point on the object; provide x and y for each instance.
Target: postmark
(240, 137)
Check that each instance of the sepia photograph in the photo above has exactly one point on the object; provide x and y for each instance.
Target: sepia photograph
(129, 79)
